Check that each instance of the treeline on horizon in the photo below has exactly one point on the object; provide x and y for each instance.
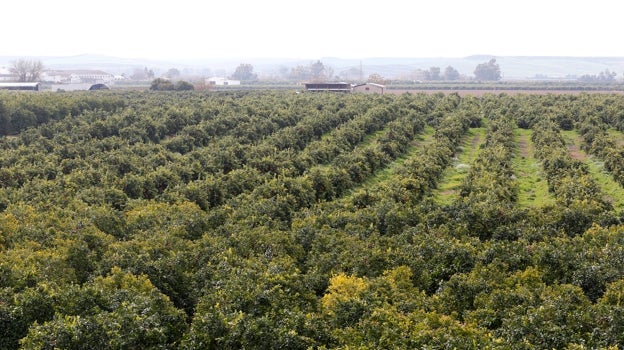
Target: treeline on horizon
(268, 219)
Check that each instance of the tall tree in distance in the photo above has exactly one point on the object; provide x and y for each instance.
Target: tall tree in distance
(173, 73)
(488, 71)
(317, 71)
(604, 77)
(320, 72)
(244, 72)
(300, 73)
(433, 73)
(451, 73)
(314, 72)
(27, 70)
(377, 79)
(142, 74)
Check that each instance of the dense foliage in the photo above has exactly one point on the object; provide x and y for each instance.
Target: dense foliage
(264, 220)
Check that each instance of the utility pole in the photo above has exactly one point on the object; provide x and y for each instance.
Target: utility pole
(361, 72)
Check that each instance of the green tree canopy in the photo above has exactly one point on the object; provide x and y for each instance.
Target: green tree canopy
(120, 311)
(184, 86)
(161, 84)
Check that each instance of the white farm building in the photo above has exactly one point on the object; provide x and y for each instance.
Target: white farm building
(221, 81)
(369, 88)
(77, 76)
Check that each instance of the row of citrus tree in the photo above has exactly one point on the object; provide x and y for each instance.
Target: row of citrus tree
(279, 255)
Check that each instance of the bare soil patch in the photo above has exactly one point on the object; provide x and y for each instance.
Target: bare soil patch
(523, 146)
(448, 192)
(575, 152)
(475, 141)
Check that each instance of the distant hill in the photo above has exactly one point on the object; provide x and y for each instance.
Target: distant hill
(512, 67)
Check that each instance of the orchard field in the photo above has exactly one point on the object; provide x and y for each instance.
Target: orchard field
(274, 220)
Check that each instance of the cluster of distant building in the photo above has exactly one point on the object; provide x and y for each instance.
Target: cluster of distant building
(67, 76)
(77, 77)
(61, 80)
(90, 76)
(69, 80)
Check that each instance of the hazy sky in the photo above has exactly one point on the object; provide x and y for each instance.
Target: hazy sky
(311, 29)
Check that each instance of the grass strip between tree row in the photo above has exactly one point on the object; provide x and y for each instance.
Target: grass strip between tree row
(533, 187)
(612, 190)
(447, 190)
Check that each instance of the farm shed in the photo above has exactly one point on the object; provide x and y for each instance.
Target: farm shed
(369, 88)
(19, 86)
(331, 87)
